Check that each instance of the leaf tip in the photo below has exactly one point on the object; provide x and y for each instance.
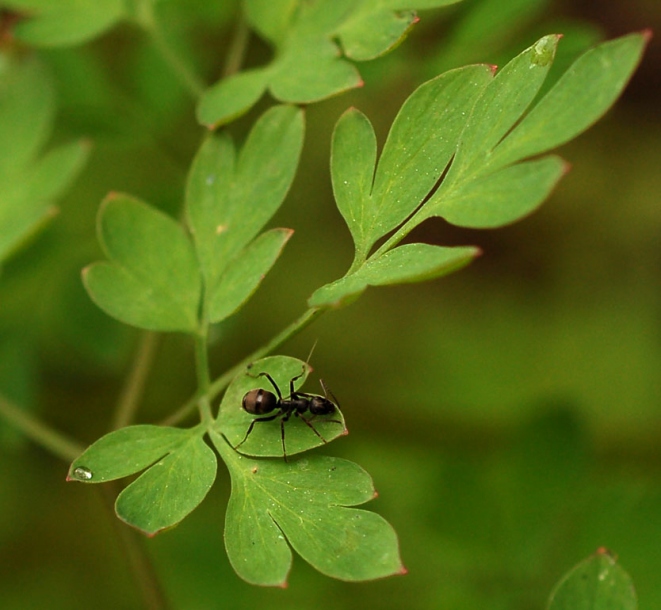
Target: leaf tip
(647, 34)
(85, 272)
(493, 68)
(403, 571)
(602, 550)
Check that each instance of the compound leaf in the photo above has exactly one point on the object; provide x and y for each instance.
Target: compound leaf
(30, 183)
(55, 170)
(501, 104)
(353, 160)
(304, 504)
(171, 489)
(181, 468)
(484, 187)
(580, 97)
(376, 26)
(66, 22)
(370, 30)
(233, 95)
(265, 440)
(508, 194)
(153, 279)
(308, 65)
(245, 273)
(124, 452)
(27, 109)
(597, 583)
(421, 142)
(229, 199)
(405, 264)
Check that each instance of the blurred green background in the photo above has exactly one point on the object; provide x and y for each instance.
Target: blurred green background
(510, 414)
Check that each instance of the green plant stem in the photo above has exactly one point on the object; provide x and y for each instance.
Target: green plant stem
(401, 233)
(141, 566)
(135, 382)
(220, 383)
(179, 67)
(51, 440)
(203, 380)
(238, 48)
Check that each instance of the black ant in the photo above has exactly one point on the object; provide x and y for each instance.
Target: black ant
(260, 401)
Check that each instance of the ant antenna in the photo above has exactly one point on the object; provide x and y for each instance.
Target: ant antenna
(307, 362)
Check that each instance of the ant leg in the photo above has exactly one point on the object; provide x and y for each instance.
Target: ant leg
(273, 383)
(308, 423)
(252, 425)
(291, 382)
(282, 437)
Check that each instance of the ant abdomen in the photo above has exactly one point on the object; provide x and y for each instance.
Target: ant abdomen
(259, 402)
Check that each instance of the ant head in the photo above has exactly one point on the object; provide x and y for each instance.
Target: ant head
(321, 406)
(258, 402)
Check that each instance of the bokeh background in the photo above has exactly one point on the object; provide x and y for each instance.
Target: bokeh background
(510, 414)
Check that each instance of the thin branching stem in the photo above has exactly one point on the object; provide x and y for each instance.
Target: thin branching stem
(45, 436)
(203, 379)
(401, 233)
(180, 68)
(134, 386)
(238, 48)
(133, 547)
(220, 383)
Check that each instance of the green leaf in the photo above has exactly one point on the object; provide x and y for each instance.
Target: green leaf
(372, 31)
(66, 22)
(376, 26)
(353, 159)
(580, 97)
(406, 264)
(52, 174)
(308, 65)
(20, 216)
(265, 440)
(228, 200)
(181, 468)
(494, 200)
(245, 273)
(304, 505)
(171, 489)
(482, 189)
(27, 108)
(126, 451)
(597, 583)
(152, 280)
(271, 18)
(30, 183)
(229, 98)
(500, 105)
(421, 142)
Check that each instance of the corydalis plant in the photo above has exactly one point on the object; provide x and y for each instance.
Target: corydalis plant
(465, 146)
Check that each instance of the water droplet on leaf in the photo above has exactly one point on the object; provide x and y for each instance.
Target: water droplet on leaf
(82, 474)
